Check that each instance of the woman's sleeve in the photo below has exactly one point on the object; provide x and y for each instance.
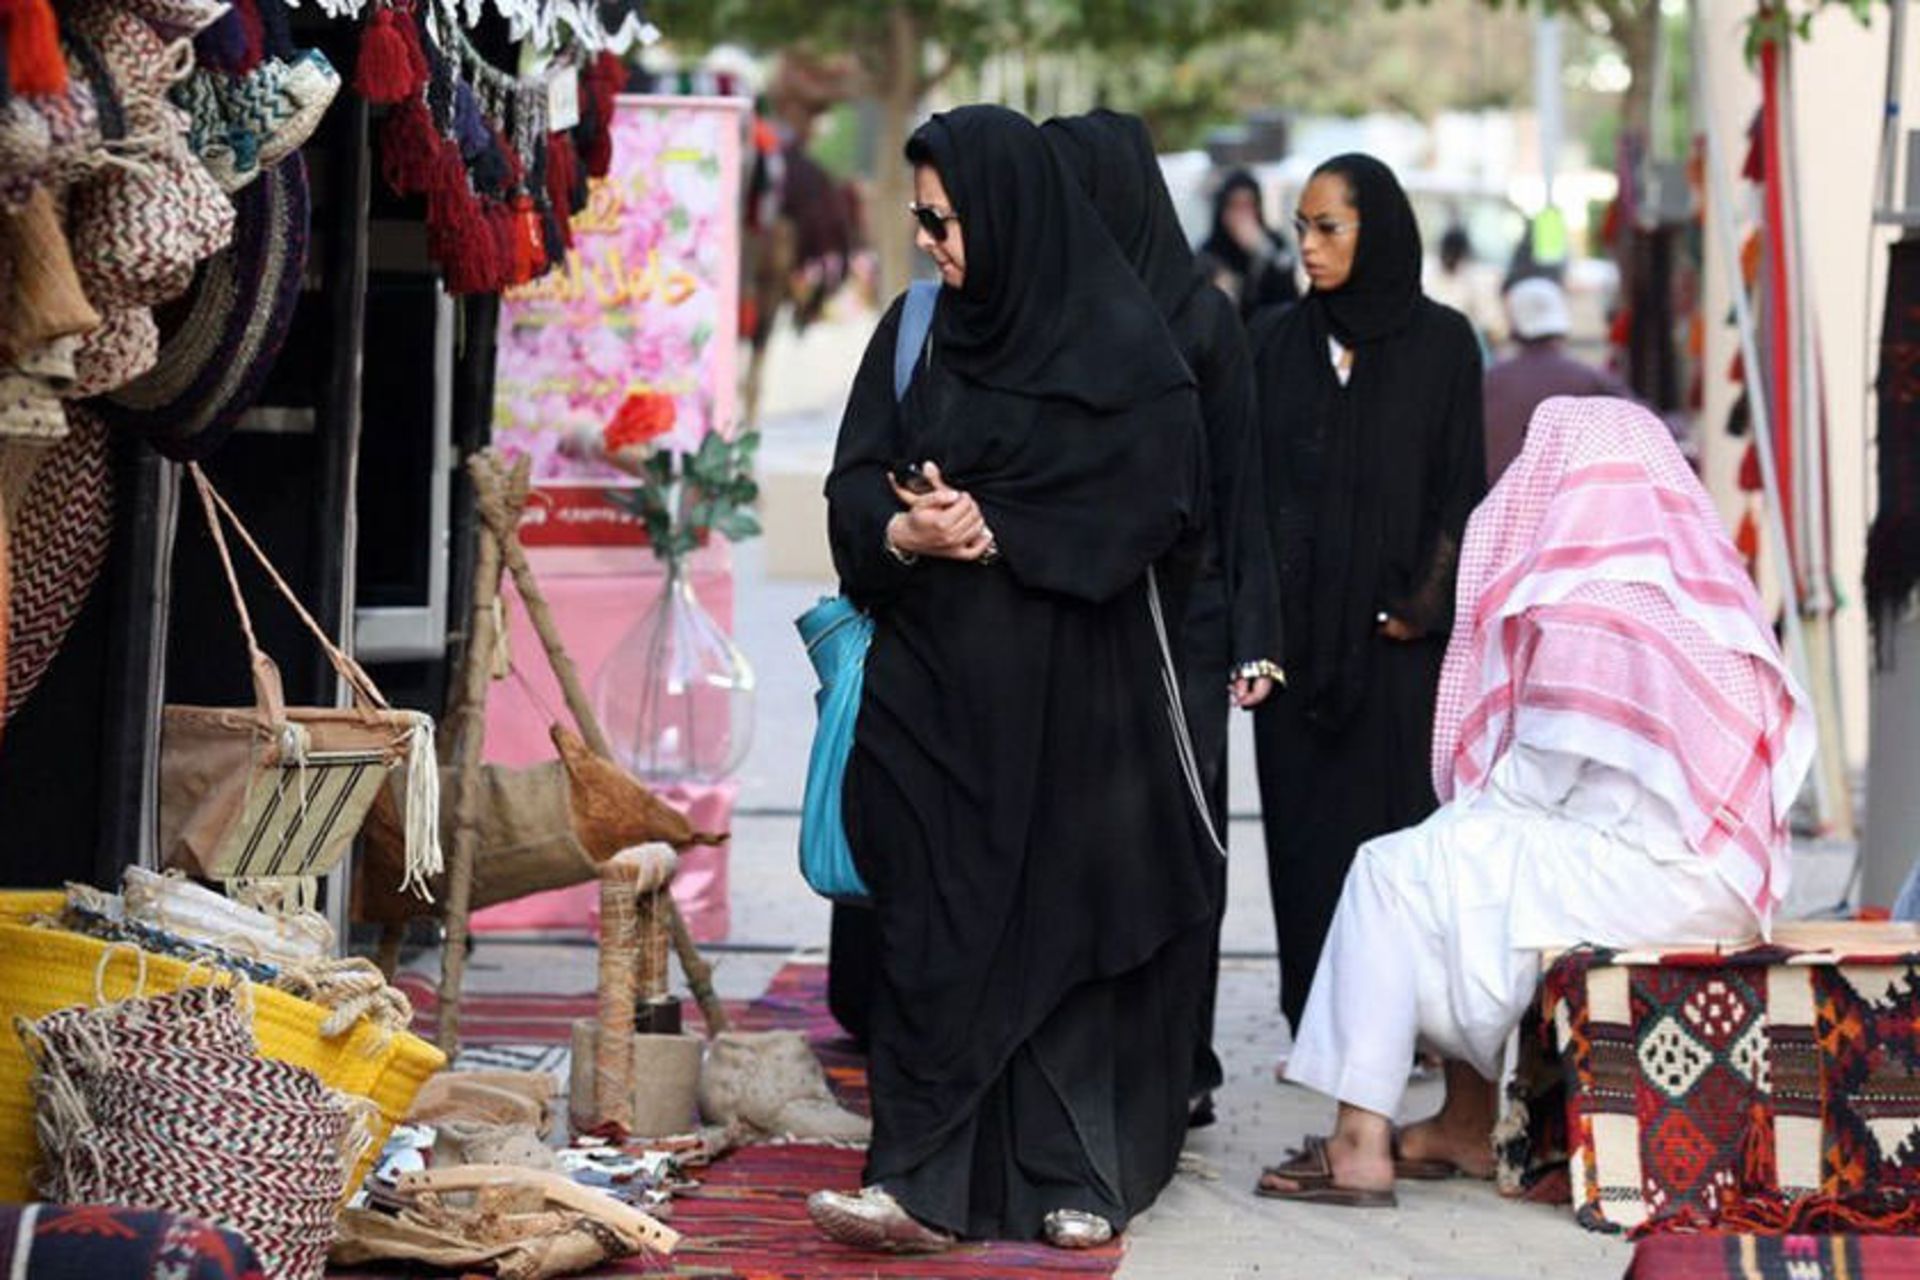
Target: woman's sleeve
(1239, 492)
(1089, 501)
(1458, 480)
(860, 502)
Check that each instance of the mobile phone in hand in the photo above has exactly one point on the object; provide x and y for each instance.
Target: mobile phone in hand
(911, 478)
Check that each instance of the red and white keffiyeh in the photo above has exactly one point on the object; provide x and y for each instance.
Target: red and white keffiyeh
(1603, 611)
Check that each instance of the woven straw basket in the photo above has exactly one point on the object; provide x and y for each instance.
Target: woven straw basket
(46, 969)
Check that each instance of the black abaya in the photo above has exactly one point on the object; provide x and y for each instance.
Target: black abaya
(1015, 796)
(1232, 614)
(1369, 486)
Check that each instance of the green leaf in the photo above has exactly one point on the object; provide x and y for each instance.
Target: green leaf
(738, 526)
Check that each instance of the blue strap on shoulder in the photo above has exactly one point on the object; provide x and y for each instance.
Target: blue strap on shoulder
(916, 318)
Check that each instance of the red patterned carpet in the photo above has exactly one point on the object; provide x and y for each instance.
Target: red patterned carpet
(748, 1220)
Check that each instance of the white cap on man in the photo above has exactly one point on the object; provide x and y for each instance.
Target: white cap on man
(1538, 308)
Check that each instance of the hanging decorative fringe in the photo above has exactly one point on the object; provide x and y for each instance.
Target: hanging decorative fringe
(34, 62)
(408, 149)
(424, 858)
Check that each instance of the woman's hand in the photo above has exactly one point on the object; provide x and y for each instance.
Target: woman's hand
(1250, 691)
(943, 522)
(1395, 629)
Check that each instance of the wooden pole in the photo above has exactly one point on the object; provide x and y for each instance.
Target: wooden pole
(470, 714)
(504, 521)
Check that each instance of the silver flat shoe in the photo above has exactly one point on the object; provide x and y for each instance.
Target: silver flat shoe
(872, 1219)
(1075, 1229)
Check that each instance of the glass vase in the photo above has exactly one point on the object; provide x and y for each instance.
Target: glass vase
(675, 698)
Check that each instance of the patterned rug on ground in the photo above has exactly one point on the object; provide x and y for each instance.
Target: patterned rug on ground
(1730, 1257)
(749, 1220)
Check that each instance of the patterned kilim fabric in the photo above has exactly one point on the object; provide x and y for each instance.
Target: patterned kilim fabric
(94, 1242)
(1700, 1088)
(1746, 1257)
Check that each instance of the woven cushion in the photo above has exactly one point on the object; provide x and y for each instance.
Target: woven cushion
(1698, 1083)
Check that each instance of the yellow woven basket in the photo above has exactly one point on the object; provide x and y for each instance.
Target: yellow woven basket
(46, 969)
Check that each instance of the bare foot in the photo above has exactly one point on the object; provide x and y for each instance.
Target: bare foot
(1469, 1152)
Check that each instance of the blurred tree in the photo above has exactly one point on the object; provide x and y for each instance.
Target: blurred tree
(908, 48)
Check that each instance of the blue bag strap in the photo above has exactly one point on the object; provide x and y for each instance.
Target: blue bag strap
(916, 318)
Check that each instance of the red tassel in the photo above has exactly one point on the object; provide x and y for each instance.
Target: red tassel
(409, 149)
(255, 32)
(597, 154)
(35, 65)
(1737, 369)
(531, 246)
(1750, 481)
(383, 73)
(505, 238)
(562, 169)
(407, 23)
(458, 237)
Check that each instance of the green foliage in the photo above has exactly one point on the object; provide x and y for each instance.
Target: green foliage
(1778, 23)
(684, 496)
(967, 31)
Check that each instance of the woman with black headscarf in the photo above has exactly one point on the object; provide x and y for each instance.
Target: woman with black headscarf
(1020, 796)
(1252, 264)
(1371, 431)
(1230, 637)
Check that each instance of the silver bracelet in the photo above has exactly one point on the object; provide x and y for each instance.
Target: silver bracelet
(900, 557)
(1263, 669)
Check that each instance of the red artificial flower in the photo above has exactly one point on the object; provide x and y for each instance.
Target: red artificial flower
(642, 417)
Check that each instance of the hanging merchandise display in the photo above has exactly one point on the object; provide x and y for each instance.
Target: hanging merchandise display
(1893, 541)
(222, 338)
(501, 181)
(60, 522)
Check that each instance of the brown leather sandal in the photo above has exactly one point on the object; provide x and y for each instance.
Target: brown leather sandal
(1311, 1172)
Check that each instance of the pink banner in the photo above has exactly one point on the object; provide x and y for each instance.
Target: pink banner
(648, 304)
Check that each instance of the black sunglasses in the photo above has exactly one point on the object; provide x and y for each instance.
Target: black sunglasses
(933, 220)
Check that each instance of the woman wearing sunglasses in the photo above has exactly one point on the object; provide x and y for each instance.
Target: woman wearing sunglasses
(1020, 797)
(1371, 436)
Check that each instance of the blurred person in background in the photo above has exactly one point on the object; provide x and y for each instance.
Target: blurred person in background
(1457, 282)
(1372, 437)
(1538, 370)
(1229, 644)
(1252, 263)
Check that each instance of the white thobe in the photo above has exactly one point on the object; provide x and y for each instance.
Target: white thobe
(1440, 928)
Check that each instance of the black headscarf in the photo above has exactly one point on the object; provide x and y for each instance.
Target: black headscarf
(1220, 244)
(1049, 307)
(1112, 155)
(1379, 296)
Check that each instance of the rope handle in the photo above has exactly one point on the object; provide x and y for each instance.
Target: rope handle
(364, 690)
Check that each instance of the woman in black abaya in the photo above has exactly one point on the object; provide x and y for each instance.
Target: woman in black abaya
(1016, 796)
(1252, 263)
(1371, 432)
(1230, 636)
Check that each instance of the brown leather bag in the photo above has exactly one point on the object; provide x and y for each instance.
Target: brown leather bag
(269, 790)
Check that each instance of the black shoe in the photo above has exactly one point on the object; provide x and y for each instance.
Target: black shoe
(1200, 1111)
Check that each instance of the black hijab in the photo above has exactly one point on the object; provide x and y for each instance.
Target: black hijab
(1220, 244)
(1113, 158)
(1049, 308)
(1379, 296)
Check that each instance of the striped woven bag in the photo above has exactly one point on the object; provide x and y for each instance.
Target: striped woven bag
(277, 792)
